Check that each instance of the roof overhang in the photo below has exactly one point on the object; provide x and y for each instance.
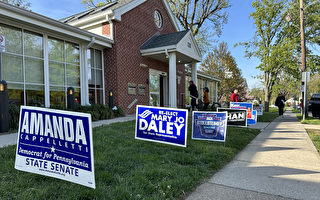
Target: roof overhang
(115, 14)
(186, 49)
(203, 75)
(18, 16)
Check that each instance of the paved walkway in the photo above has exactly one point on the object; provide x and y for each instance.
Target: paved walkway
(280, 163)
(11, 139)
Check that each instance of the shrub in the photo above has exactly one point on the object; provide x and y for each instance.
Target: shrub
(118, 112)
(97, 111)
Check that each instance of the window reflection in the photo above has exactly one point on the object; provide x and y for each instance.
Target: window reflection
(35, 95)
(95, 76)
(16, 95)
(57, 96)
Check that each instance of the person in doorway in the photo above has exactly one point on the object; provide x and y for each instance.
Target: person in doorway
(235, 97)
(193, 94)
(280, 102)
(205, 98)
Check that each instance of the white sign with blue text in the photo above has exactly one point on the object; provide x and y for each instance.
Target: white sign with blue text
(56, 143)
(162, 125)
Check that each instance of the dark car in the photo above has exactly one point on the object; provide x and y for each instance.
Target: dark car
(315, 105)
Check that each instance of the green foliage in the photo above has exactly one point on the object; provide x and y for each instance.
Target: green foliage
(217, 64)
(257, 93)
(126, 168)
(97, 111)
(272, 43)
(277, 43)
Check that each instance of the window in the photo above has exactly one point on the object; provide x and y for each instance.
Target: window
(212, 91)
(95, 76)
(23, 66)
(64, 70)
(158, 19)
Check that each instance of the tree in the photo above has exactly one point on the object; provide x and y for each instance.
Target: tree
(192, 15)
(270, 43)
(257, 93)
(94, 3)
(221, 64)
(19, 3)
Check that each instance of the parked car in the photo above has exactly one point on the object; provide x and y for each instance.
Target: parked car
(315, 105)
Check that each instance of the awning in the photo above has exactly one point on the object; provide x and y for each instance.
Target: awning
(183, 43)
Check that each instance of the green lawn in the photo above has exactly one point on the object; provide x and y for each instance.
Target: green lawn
(268, 116)
(315, 137)
(126, 168)
(309, 120)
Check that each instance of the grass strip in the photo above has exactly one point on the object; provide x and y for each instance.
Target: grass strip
(309, 120)
(268, 116)
(126, 168)
(315, 137)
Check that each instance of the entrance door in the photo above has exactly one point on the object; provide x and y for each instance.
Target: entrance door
(157, 89)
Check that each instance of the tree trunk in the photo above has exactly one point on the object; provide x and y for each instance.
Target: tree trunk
(266, 98)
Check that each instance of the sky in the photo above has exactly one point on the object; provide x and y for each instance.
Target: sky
(239, 28)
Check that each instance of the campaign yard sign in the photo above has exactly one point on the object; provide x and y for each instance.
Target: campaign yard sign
(209, 126)
(235, 117)
(254, 120)
(162, 125)
(56, 143)
(243, 105)
(259, 109)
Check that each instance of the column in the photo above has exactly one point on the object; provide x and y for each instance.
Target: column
(194, 72)
(172, 80)
(46, 72)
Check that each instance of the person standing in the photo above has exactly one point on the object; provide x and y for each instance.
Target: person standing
(235, 97)
(206, 100)
(193, 94)
(280, 102)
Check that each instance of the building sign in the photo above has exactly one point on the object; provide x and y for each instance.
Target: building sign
(209, 126)
(259, 109)
(56, 143)
(254, 119)
(235, 117)
(132, 88)
(142, 89)
(163, 125)
(243, 105)
(2, 43)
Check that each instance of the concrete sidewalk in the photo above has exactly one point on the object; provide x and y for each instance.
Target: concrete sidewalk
(280, 163)
(11, 139)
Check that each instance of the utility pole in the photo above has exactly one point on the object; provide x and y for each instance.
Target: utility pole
(303, 62)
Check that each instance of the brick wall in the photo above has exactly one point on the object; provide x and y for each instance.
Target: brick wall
(122, 62)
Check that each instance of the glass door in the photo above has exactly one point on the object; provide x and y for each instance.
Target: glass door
(154, 88)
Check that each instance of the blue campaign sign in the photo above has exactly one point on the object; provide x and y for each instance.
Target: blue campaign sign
(243, 105)
(56, 143)
(254, 120)
(209, 126)
(259, 109)
(163, 125)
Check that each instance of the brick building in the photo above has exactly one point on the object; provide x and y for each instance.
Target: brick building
(132, 48)
(146, 37)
